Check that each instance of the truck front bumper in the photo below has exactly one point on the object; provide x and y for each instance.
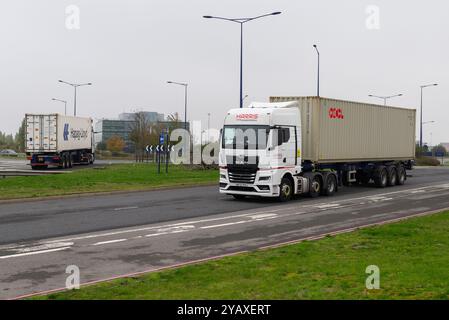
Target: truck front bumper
(249, 190)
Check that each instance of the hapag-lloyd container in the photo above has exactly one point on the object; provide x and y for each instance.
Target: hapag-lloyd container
(345, 131)
(57, 133)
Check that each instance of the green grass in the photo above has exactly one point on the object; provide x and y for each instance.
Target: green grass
(413, 257)
(120, 177)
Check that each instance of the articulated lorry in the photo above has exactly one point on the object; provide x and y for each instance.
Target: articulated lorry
(313, 146)
(57, 140)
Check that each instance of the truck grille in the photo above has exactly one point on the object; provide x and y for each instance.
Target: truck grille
(242, 174)
(242, 177)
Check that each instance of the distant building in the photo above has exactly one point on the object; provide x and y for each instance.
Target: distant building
(107, 128)
(149, 115)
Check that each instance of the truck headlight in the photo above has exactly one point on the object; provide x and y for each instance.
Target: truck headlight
(223, 176)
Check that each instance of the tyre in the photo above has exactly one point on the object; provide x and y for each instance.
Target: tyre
(392, 176)
(239, 196)
(380, 177)
(64, 161)
(402, 176)
(315, 187)
(285, 190)
(331, 185)
(69, 161)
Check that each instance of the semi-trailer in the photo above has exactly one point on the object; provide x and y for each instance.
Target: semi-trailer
(313, 146)
(58, 140)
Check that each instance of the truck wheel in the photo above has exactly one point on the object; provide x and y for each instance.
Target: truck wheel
(315, 187)
(239, 196)
(69, 161)
(402, 176)
(285, 190)
(64, 161)
(392, 176)
(331, 185)
(380, 177)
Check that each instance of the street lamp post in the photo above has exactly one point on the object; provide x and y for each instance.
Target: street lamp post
(421, 117)
(318, 74)
(242, 21)
(385, 98)
(185, 85)
(75, 86)
(65, 104)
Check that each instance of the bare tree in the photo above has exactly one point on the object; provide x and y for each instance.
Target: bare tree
(140, 134)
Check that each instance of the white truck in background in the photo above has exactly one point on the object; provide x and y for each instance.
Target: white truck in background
(58, 140)
(313, 145)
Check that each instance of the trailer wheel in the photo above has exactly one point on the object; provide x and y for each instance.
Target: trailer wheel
(402, 176)
(315, 187)
(392, 176)
(69, 161)
(64, 160)
(380, 177)
(331, 185)
(285, 190)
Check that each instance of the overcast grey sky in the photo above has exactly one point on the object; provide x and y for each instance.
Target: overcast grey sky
(129, 49)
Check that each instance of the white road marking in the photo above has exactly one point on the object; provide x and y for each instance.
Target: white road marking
(156, 234)
(224, 224)
(43, 247)
(33, 253)
(328, 206)
(125, 208)
(264, 216)
(108, 242)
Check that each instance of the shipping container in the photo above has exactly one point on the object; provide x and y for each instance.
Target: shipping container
(57, 133)
(344, 131)
(58, 140)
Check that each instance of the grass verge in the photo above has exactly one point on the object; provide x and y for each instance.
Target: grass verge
(120, 177)
(412, 257)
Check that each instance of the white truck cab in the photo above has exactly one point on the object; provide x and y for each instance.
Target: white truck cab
(260, 151)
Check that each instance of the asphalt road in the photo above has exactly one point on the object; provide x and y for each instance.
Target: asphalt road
(113, 235)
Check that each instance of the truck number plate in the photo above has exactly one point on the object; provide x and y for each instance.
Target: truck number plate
(242, 185)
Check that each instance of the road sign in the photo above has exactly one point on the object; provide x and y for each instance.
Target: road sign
(162, 138)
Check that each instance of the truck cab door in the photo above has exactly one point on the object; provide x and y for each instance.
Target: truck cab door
(284, 142)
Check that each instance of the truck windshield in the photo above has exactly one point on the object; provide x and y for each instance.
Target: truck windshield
(245, 137)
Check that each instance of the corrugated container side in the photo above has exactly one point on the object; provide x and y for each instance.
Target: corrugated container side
(344, 131)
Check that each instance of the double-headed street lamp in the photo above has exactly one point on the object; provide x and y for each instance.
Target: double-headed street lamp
(75, 86)
(185, 85)
(318, 74)
(65, 104)
(421, 131)
(385, 98)
(242, 21)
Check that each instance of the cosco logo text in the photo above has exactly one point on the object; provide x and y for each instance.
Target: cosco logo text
(336, 113)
